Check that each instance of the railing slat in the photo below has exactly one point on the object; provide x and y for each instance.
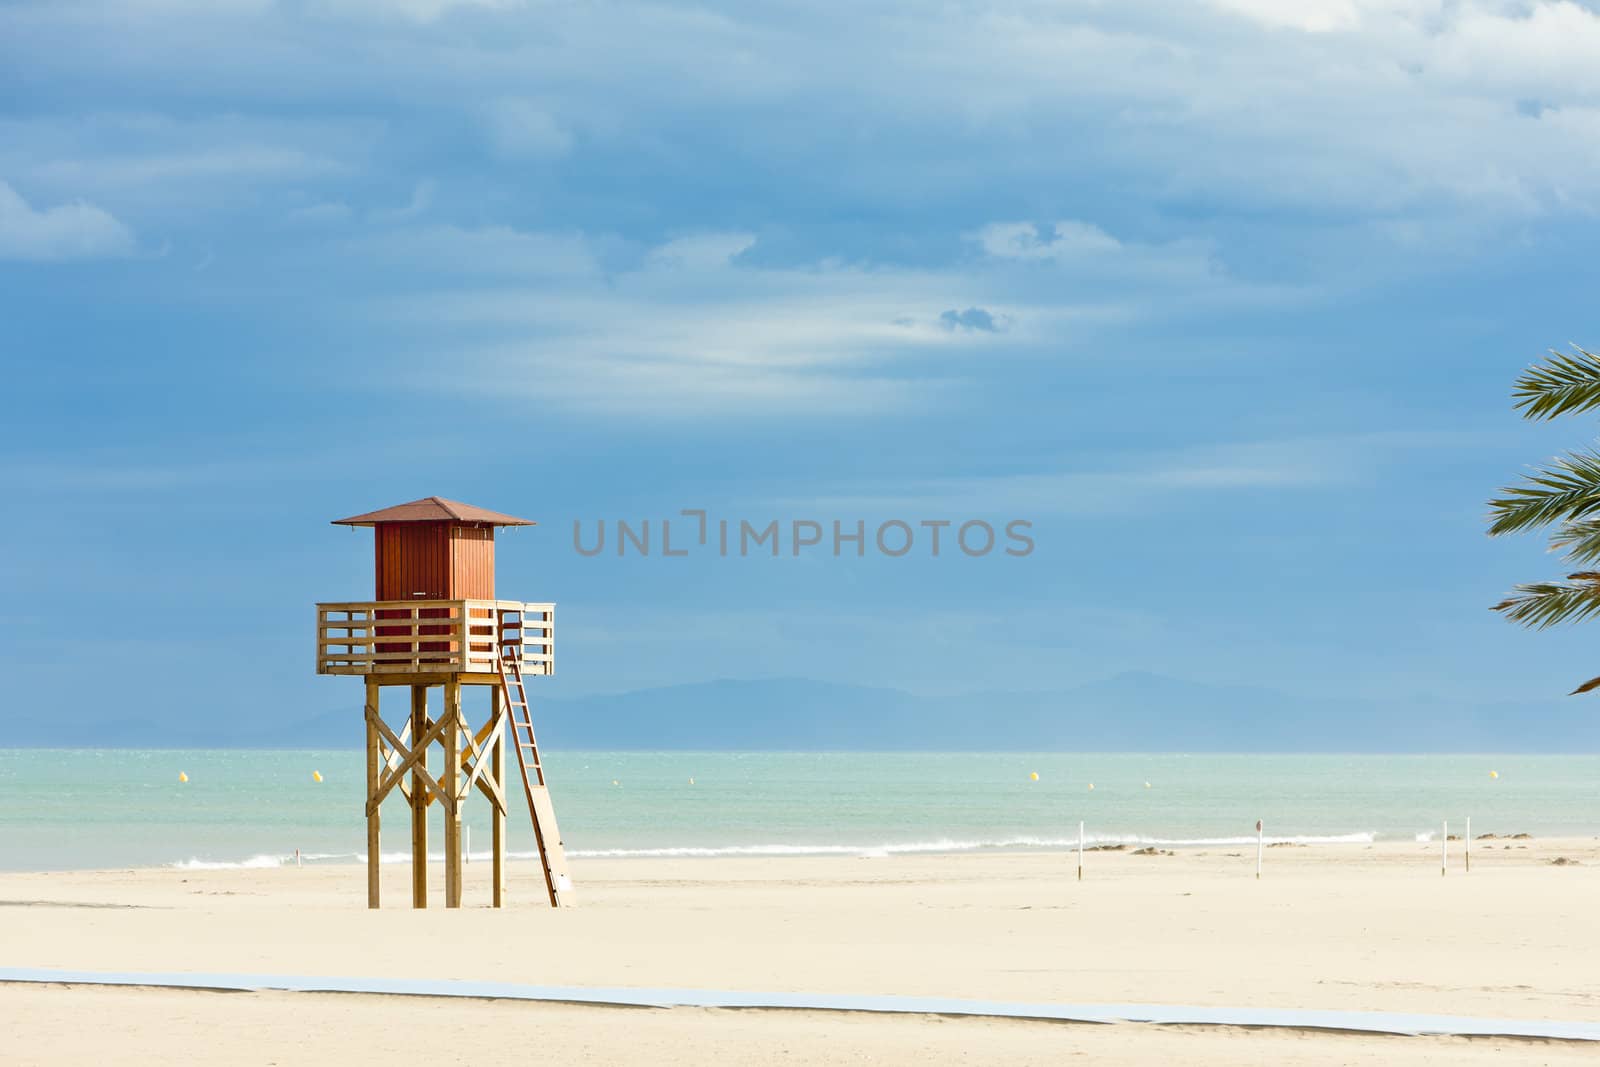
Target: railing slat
(471, 630)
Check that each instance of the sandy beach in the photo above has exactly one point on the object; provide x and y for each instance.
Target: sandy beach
(1353, 927)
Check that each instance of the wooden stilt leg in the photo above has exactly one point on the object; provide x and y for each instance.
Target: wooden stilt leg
(372, 792)
(419, 803)
(499, 771)
(450, 782)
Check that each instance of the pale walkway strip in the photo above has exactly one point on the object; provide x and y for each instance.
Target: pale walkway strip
(1369, 1022)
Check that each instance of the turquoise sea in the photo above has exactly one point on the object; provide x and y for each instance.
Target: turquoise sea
(64, 809)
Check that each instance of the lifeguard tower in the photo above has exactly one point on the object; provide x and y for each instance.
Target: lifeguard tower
(434, 622)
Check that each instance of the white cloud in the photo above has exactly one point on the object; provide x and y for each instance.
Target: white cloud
(695, 325)
(678, 331)
(523, 129)
(1151, 481)
(421, 200)
(67, 231)
(325, 213)
(423, 11)
(204, 164)
(1546, 50)
(1024, 240)
(166, 175)
(1310, 16)
(494, 251)
(703, 251)
(1090, 256)
(192, 7)
(1367, 108)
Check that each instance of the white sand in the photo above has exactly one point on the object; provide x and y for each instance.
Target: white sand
(1334, 927)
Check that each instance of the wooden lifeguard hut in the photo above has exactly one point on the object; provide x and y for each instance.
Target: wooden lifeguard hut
(434, 622)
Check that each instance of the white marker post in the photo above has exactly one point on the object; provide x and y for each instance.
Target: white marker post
(1080, 850)
(1444, 848)
(1469, 844)
(1260, 847)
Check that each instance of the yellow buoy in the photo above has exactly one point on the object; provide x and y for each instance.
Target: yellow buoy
(316, 776)
(182, 777)
(1494, 774)
(691, 781)
(1147, 785)
(1034, 777)
(615, 782)
(1091, 787)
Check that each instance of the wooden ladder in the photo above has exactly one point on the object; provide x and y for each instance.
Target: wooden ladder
(548, 837)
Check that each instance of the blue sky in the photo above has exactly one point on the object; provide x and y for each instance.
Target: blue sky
(1226, 300)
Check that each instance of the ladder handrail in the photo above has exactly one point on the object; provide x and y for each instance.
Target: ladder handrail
(509, 664)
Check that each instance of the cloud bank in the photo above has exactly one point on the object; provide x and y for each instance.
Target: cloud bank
(66, 231)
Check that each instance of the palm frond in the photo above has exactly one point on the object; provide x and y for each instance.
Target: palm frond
(1580, 540)
(1544, 604)
(1591, 684)
(1566, 382)
(1566, 490)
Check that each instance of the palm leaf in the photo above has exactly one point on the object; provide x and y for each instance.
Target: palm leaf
(1580, 539)
(1568, 489)
(1544, 604)
(1565, 383)
(1592, 683)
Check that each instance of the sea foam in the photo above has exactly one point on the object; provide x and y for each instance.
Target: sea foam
(221, 865)
(953, 845)
(880, 849)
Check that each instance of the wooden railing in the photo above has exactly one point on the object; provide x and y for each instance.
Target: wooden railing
(433, 636)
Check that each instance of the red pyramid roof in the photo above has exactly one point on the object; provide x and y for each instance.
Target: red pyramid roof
(434, 509)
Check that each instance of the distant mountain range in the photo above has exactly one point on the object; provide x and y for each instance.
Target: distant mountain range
(1129, 712)
(1136, 712)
